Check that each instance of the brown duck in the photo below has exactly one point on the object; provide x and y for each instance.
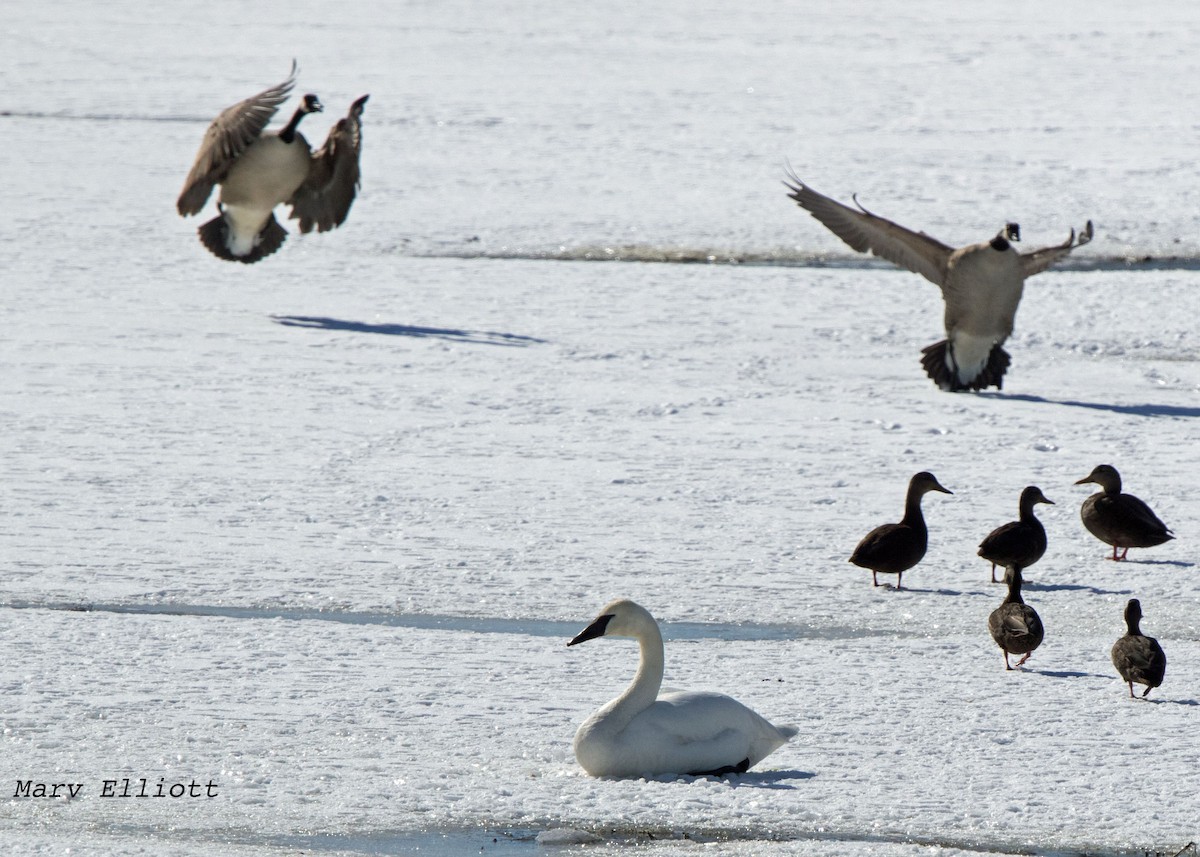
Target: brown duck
(1021, 542)
(1117, 519)
(1138, 658)
(895, 548)
(1015, 626)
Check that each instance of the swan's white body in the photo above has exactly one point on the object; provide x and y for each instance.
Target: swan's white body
(641, 733)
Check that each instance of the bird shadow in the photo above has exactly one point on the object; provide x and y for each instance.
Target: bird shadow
(1189, 702)
(891, 587)
(1146, 410)
(749, 779)
(476, 337)
(1178, 563)
(778, 780)
(1067, 674)
(1030, 586)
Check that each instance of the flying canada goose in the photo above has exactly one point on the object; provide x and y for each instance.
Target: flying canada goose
(1138, 658)
(1117, 519)
(1015, 626)
(645, 733)
(258, 171)
(895, 548)
(981, 284)
(1021, 542)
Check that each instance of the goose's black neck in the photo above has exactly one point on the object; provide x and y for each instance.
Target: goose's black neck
(1000, 244)
(288, 134)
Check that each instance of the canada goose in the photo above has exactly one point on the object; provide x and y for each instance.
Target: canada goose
(895, 548)
(981, 284)
(644, 733)
(258, 171)
(1015, 626)
(1021, 542)
(1138, 658)
(1117, 519)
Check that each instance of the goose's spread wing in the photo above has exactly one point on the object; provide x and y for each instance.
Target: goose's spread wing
(867, 232)
(1039, 260)
(325, 198)
(230, 134)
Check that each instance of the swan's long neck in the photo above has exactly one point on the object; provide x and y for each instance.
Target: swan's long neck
(643, 690)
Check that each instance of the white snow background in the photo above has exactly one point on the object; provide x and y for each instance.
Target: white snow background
(334, 516)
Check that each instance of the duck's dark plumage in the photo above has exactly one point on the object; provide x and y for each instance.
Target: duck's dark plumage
(1138, 658)
(895, 548)
(1021, 542)
(1117, 519)
(1015, 626)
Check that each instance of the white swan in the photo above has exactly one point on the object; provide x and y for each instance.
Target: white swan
(643, 734)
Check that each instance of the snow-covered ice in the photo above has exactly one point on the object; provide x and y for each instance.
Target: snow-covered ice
(334, 516)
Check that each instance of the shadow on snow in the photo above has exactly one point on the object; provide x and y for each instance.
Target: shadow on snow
(478, 337)
(1030, 586)
(1146, 410)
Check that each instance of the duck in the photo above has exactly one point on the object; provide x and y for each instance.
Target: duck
(258, 171)
(1120, 520)
(1015, 626)
(1021, 542)
(644, 732)
(981, 283)
(895, 548)
(1138, 658)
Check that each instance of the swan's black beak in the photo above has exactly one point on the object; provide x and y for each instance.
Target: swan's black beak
(592, 631)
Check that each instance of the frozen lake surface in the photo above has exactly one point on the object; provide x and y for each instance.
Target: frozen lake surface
(318, 529)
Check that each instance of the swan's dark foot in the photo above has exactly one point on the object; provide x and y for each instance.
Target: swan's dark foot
(740, 768)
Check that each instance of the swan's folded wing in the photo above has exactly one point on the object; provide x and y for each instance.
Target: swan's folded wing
(867, 232)
(325, 198)
(1039, 260)
(230, 134)
(692, 732)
